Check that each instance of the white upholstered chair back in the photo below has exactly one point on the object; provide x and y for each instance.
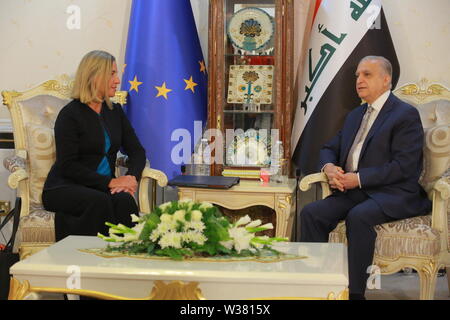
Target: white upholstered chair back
(33, 114)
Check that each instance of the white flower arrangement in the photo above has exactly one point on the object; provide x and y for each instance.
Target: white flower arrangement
(185, 228)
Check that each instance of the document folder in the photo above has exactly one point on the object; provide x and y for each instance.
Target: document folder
(212, 182)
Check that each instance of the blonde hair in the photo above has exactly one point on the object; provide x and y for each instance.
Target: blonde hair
(92, 76)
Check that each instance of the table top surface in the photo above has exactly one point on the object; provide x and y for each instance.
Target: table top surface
(324, 262)
(255, 186)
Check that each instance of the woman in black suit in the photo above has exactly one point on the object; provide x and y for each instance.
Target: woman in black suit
(81, 187)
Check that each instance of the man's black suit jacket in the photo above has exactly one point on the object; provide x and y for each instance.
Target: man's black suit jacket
(390, 162)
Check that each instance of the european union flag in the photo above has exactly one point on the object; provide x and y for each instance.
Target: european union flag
(166, 78)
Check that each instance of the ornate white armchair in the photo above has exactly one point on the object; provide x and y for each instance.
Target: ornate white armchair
(33, 115)
(421, 243)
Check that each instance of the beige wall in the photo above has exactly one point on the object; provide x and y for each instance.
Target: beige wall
(420, 31)
(421, 34)
(36, 45)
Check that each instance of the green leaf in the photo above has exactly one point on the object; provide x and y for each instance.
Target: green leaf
(261, 241)
(157, 211)
(109, 224)
(278, 239)
(224, 222)
(180, 226)
(150, 248)
(222, 249)
(245, 253)
(210, 248)
(150, 225)
(255, 229)
(170, 252)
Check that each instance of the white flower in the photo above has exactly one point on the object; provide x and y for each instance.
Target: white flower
(155, 235)
(170, 239)
(138, 228)
(242, 221)
(134, 236)
(186, 236)
(135, 218)
(241, 238)
(166, 218)
(206, 205)
(254, 223)
(165, 205)
(185, 201)
(227, 244)
(116, 237)
(259, 245)
(192, 236)
(164, 227)
(197, 226)
(267, 226)
(196, 215)
(199, 238)
(130, 237)
(113, 231)
(179, 215)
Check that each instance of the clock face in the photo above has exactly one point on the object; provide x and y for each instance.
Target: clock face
(248, 151)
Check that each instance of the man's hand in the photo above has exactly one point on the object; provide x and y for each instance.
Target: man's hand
(350, 181)
(123, 184)
(335, 176)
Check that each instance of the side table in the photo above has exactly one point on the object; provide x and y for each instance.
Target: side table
(278, 196)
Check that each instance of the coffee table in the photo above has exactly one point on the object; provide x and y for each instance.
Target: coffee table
(62, 268)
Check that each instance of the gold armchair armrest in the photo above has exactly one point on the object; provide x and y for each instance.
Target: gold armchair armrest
(154, 174)
(15, 165)
(147, 174)
(15, 177)
(307, 182)
(440, 194)
(442, 187)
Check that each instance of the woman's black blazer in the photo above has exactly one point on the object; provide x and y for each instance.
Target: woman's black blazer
(80, 144)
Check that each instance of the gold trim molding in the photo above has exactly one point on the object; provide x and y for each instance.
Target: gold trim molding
(175, 290)
(422, 91)
(343, 295)
(57, 86)
(8, 97)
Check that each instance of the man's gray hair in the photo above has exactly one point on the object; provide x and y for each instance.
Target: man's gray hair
(385, 63)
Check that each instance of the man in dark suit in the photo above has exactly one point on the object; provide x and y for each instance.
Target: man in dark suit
(373, 166)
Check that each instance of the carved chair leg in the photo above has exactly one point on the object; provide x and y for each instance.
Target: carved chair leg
(447, 273)
(428, 280)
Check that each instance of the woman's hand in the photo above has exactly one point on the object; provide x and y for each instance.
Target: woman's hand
(123, 184)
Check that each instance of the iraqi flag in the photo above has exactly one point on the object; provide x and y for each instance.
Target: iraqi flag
(343, 32)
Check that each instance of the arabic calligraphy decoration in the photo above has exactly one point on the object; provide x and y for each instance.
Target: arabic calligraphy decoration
(328, 49)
